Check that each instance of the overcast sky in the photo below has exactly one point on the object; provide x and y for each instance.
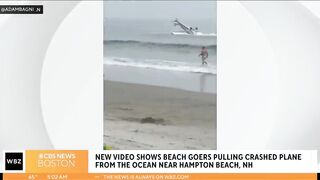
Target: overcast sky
(160, 9)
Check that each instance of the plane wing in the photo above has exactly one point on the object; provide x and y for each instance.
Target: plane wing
(183, 27)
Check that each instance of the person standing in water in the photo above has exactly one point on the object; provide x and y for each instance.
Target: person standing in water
(204, 55)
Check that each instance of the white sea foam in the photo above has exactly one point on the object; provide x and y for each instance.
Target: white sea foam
(161, 65)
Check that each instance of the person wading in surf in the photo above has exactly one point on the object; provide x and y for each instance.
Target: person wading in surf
(204, 55)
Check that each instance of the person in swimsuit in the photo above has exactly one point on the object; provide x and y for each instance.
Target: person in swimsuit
(204, 55)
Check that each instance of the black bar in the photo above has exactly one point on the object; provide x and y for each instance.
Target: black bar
(1, 176)
(318, 176)
(21, 9)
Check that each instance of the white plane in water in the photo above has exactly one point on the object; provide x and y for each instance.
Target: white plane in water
(187, 30)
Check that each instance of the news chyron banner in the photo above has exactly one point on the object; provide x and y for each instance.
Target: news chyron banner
(159, 165)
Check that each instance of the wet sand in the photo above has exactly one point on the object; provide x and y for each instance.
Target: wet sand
(151, 117)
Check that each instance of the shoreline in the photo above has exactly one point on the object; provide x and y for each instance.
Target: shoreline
(153, 117)
(195, 82)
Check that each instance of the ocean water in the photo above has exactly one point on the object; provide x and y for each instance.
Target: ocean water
(149, 44)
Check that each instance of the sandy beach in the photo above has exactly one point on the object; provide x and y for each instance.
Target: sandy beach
(153, 117)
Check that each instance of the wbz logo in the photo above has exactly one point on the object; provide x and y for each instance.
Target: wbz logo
(13, 161)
